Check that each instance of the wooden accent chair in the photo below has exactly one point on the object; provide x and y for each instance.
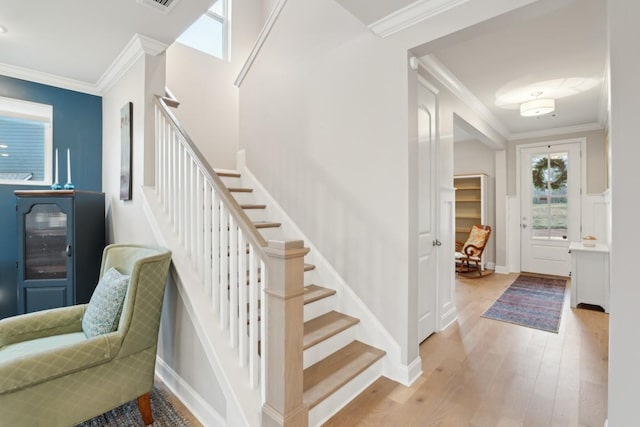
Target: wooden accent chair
(54, 373)
(471, 250)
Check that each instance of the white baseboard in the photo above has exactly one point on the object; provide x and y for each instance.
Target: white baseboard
(490, 265)
(198, 407)
(502, 269)
(404, 374)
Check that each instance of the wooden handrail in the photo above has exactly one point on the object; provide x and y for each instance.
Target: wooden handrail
(245, 224)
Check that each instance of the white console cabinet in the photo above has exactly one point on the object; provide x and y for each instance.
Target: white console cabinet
(589, 275)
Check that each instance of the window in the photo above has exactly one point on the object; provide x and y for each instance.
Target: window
(209, 34)
(25, 142)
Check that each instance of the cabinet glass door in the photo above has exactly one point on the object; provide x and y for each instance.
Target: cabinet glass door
(45, 240)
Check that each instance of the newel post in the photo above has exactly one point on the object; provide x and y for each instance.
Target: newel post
(284, 333)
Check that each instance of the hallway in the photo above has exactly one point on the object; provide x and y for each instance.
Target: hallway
(486, 373)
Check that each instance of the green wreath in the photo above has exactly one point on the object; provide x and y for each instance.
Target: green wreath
(557, 176)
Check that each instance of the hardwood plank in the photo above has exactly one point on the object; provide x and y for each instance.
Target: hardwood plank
(482, 372)
(313, 293)
(331, 373)
(325, 326)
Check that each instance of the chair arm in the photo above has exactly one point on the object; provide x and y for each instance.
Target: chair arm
(472, 250)
(41, 324)
(40, 366)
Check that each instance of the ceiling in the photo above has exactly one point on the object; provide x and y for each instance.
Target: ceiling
(558, 42)
(79, 39)
(558, 48)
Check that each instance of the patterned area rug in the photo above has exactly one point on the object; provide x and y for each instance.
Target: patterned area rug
(127, 415)
(534, 302)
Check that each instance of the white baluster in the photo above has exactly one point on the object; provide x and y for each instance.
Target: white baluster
(215, 246)
(233, 282)
(254, 361)
(243, 330)
(199, 218)
(224, 266)
(207, 236)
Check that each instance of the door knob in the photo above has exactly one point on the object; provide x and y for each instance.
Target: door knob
(437, 243)
(524, 225)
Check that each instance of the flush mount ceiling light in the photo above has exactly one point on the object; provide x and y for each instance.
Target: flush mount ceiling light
(3, 29)
(537, 107)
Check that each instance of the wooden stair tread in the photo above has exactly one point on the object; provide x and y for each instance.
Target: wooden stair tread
(328, 375)
(314, 293)
(227, 173)
(266, 224)
(240, 190)
(253, 206)
(309, 267)
(325, 326)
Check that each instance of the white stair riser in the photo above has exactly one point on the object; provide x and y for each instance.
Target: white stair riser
(231, 181)
(244, 198)
(332, 404)
(272, 233)
(314, 354)
(318, 308)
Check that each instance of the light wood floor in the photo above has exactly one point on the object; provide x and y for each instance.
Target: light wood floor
(487, 373)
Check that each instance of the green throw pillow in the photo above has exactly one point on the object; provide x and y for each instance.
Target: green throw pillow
(104, 308)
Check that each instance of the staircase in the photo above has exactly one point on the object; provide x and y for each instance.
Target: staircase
(279, 347)
(336, 365)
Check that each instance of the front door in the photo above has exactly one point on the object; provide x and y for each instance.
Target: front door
(550, 206)
(427, 220)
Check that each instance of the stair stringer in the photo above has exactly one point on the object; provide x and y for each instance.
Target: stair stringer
(369, 330)
(243, 403)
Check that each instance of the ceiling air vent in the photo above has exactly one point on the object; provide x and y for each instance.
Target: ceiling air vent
(163, 6)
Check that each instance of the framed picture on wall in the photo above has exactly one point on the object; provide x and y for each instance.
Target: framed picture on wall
(126, 138)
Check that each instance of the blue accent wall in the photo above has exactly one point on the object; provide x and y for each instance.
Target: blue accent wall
(77, 124)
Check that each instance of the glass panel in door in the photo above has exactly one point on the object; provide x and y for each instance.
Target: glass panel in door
(45, 228)
(549, 209)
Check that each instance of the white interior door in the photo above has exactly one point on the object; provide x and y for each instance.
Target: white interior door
(427, 210)
(550, 206)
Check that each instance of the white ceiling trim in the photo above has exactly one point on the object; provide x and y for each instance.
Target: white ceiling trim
(411, 15)
(451, 82)
(48, 79)
(587, 127)
(138, 46)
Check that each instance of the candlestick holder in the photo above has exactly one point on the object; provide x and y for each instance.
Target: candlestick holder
(69, 185)
(56, 185)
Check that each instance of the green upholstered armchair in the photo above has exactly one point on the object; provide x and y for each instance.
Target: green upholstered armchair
(51, 374)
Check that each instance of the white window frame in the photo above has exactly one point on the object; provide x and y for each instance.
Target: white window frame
(17, 108)
(225, 20)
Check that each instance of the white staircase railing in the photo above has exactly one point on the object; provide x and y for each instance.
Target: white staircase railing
(254, 287)
(215, 231)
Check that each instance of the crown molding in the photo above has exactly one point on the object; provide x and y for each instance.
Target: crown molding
(586, 127)
(138, 46)
(48, 79)
(411, 15)
(451, 82)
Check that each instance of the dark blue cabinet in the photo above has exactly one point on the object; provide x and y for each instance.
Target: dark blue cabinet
(61, 235)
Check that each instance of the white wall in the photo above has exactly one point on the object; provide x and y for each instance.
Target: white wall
(126, 221)
(328, 139)
(624, 345)
(204, 86)
(473, 157)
